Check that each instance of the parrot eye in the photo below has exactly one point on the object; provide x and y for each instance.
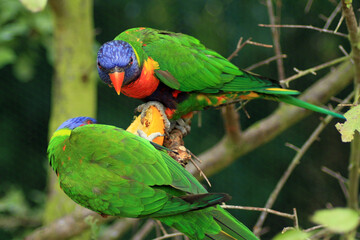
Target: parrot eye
(131, 61)
(101, 67)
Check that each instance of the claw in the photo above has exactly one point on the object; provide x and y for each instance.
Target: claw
(151, 137)
(144, 107)
(182, 125)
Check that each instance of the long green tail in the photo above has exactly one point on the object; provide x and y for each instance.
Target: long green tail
(231, 228)
(212, 223)
(297, 102)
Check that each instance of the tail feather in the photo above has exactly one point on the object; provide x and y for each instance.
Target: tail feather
(231, 228)
(212, 223)
(297, 102)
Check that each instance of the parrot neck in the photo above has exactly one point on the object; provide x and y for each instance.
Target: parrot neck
(61, 132)
(146, 84)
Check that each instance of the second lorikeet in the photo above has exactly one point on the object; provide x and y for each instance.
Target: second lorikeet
(114, 172)
(178, 71)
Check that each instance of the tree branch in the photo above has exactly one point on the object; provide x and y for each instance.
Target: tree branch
(268, 210)
(305, 27)
(276, 40)
(296, 160)
(354, 161)
(67, 226)
(314, 69)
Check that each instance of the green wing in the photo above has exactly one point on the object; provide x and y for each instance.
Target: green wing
(187, 65)
(114, 172)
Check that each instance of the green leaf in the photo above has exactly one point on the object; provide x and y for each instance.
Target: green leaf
(351, 124)
(338, 220)
(7, 55)
(294, 234)
(34, 5)
(24, 68)
(9, 10)
(9, 31)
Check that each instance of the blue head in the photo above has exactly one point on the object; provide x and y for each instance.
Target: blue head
(73, 123)
(117, 64)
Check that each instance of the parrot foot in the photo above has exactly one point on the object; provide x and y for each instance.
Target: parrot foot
(151, 137)
(144, 107)
(182, 125)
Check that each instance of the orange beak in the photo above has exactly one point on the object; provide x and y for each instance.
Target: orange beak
(117, 79)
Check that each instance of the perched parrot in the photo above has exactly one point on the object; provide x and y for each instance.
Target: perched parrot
(114, 172)
(178, 71)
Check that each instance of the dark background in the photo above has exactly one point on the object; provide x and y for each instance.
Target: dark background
(26, 70)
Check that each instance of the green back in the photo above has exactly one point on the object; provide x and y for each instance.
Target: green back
(187, 65)
(114, 172)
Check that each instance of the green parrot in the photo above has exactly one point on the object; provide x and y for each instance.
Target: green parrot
(178, 71)
(114, 172)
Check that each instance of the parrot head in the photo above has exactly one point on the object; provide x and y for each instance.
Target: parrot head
(117, 64)
(73, 123)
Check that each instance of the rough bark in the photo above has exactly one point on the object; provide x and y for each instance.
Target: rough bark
(74, 83)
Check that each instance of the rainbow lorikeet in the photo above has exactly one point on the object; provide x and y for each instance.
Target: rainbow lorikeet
(178, 71)
(114, 172)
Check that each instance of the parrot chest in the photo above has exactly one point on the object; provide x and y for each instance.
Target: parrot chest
(145, 84)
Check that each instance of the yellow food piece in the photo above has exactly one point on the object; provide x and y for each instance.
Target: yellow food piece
(151, 123)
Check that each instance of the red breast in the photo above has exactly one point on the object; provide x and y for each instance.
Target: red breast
(146, 84)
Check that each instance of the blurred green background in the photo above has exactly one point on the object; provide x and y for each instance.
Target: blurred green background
(26, 71)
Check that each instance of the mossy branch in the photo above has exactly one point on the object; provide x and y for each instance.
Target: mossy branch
(354, 161)
(73, 85)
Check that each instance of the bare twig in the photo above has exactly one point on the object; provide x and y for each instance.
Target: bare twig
(118, 229)
(314, 69)
(313, 228)
(266, 61)
(276, 40)
(239, 46)
(201, 172)
(296, 160)
(308, 6)
(339, 23)
(281, 214)
(332, 16)
(292, 146)
(169, 236)
(341, 180)
(259, 44)
(342, 49)
(163, 230)
(305, 27)
(296, 219)
(144, 230)
(347, 104)
(321, 234)
(242, 106)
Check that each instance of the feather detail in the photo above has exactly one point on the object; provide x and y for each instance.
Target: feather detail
(146, 84)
